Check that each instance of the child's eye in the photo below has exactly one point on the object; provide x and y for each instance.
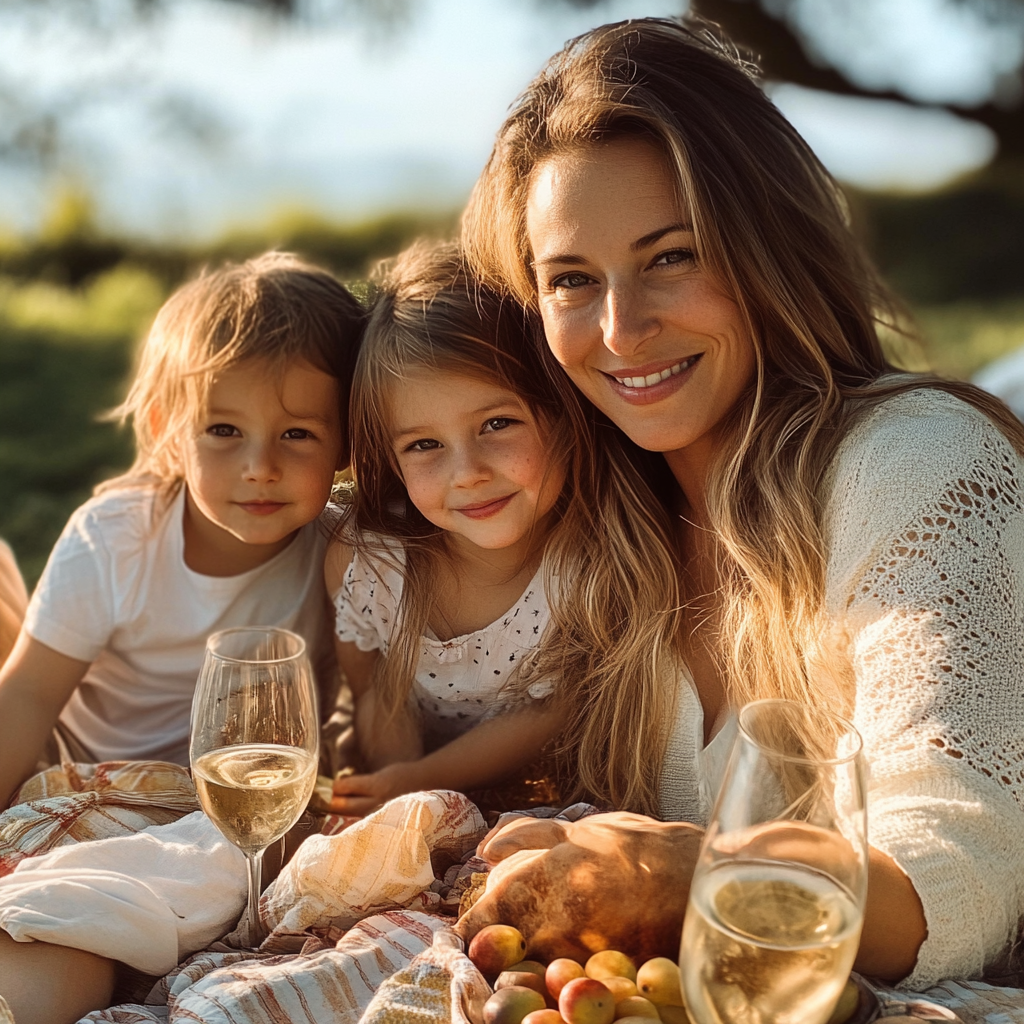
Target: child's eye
(673, 257)
(499, 423)
(223, 430)
(297, 434)
(424, 444)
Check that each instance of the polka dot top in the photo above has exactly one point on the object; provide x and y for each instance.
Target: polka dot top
(458, 682)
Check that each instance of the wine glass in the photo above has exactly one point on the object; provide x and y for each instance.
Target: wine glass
(254, 742)
(777, 897)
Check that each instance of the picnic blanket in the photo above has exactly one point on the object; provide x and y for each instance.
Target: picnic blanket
(359, 922)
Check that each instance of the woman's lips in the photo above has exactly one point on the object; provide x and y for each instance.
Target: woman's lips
(665, 379)
(260, 508)
(487, 509)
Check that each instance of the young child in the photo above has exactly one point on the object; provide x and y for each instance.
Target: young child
(460, 450)
(238, 408)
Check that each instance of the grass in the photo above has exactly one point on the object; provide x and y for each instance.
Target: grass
(66, 355)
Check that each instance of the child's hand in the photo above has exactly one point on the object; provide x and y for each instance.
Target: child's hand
(361, 794)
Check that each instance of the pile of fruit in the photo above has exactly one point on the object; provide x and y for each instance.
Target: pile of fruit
(609, 987)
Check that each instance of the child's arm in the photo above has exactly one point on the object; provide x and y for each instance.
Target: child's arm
(485, 755)
(381, 740)
(35, 684)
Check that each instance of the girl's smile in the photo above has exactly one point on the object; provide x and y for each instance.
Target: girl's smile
(472, 457)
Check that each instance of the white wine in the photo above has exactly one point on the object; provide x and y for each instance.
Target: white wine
(767, 943)
(254, 792)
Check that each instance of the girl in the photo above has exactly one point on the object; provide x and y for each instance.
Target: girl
(237, 407)
(473, 498)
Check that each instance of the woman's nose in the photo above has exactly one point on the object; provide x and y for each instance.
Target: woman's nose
(468, 467)
(627, 319)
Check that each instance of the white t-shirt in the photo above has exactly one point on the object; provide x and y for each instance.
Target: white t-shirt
(459, 682)
(116, 592)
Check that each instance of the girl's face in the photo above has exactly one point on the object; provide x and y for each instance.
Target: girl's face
(260, 461)
(472, 457)
(638, 323)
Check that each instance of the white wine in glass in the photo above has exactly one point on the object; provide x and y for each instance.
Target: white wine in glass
(777, 898)
(254, 742)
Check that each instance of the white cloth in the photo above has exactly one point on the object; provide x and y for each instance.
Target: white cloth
(116, 592)
(458, 682)
(1004, 378)
(148, 900)
(924, 525)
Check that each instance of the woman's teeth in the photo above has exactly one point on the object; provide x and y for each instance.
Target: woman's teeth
(656, 378)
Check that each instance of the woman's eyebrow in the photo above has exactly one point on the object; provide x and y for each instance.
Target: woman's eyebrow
(655, 236)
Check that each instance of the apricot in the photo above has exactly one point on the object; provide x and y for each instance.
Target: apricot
(658, 980)
(560, 972)
(847, 1004)
(610, 963)
(636, 1006)
(586, 1001)
(621, 988)
(673, 1014)
(533, 966)
(543, 1017)
(522, 979)
(511, 1005)
(496, 948)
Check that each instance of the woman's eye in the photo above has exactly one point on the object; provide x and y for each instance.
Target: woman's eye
(223, 430)
(571, 280)
(674, 256)
(424, 444)
(297, 434)
(498, 423)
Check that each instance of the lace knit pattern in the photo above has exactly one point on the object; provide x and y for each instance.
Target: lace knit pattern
(924, 527)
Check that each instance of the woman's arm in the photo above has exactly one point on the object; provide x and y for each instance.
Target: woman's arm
(35, 684)
(485, 755)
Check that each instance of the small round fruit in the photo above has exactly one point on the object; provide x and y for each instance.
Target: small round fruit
(586, 1001)
(621, 988)
(673, 1014)
(610, 963)
(543, 1017)
(636, 1006)
(533, 966)
(496, 948)
(560, 972)
(849, 999)
(511, 1005)
(521, 979)
(658, 980)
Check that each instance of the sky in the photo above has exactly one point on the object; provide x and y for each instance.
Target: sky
(209, 116)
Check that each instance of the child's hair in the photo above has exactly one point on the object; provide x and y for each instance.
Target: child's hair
(609, 643)
(274, 307)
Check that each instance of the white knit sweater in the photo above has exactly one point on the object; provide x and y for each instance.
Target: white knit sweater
(924, 525)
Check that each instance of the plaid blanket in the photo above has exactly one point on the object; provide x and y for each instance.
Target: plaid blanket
(359, 921)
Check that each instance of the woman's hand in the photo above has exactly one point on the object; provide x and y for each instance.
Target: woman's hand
(361, 794)
(610, 881)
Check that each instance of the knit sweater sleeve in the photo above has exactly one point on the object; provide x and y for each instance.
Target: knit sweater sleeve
(925, 537)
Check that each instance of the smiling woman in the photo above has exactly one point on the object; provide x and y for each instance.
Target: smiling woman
(845, 536)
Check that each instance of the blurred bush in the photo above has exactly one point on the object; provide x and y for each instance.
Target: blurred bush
(73, 302)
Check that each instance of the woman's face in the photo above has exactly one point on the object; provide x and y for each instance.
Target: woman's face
(638, 323)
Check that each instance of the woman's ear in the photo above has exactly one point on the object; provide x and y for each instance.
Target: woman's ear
(155, 421)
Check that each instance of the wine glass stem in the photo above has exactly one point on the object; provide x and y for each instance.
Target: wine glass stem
(254, 862)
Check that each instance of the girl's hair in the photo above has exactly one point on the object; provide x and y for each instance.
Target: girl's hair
(274, 307)
(771, 225)
(429, 312)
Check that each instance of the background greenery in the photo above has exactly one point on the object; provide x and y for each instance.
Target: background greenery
(73, 303)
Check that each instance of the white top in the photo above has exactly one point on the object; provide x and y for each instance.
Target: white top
(116, 592)
(924, 525)
(458, 682)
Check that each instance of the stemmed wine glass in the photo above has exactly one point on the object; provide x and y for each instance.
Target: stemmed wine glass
(254, 742)
(777, 897)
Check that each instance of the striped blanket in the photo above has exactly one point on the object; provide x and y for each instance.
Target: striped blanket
(359, 921)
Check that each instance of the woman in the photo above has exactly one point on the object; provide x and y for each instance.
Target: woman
(848, 536)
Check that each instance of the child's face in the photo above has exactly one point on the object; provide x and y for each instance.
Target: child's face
(261, 459)
(472, 457)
